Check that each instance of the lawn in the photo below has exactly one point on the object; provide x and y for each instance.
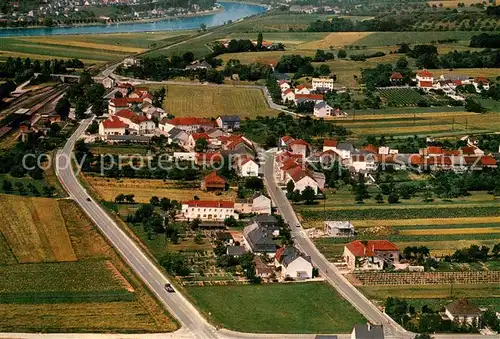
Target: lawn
(144, 189)
(277, 308)
(60, 274)
(211, 101)
(90, 48)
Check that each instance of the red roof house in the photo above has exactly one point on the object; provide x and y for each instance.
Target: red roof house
(213, 182)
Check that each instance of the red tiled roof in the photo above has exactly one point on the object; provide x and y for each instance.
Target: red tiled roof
(279, 253)
(301, 87)
(235, 143)
(119, 102)
(468, 150)
(396, 76)
(288, 163)
(297, 173)
(287, 139)
(457, 82)
(434, 150)
(247, 160)
(425, 74)
(425, 83)
(135, 100)
(189, 121)
(125, 113)
(330, 143)
(197, 136)
(370, 247)
(210, 203)
(113, 123)
(286, 91)
(299, 142)
(483, 80)
(283, 82)
(139, 118)
(488, 161)
(309, 96)
(213, 178)
(370, 148)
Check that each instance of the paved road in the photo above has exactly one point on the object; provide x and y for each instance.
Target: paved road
(329, 271)
(193, 324)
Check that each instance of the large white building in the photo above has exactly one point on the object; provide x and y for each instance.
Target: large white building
(208, 210)
(322, 84)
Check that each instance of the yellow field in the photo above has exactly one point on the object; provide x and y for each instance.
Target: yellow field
(89, 45)
(335, 40)
(34, 229)
(429, 221)
(449, 231)
(453, 3)
(86, 317)
(211, 101)
(143, 190)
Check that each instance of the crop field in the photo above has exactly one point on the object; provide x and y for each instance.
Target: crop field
(91, 49)
(336, 40)
(211, 101)
(453, 3)
(59, 274)
(289, 39)
(282, 308)
(401, 96)
(144, 189)
(395, 38)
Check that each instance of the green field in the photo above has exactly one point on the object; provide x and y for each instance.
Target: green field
(212, 101)
(90, 48)
(401, 96)
(60, 275)
(394, 38)
(277, 308)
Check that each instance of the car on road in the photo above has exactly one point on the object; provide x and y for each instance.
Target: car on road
(298, 225)
(169, 288)
(88, 199)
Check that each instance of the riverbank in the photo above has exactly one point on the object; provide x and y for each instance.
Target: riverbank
(228, 12)
(126, 22)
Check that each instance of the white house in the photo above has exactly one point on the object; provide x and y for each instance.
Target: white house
(117, 104)
(261, 204)
(208, 210)
(284, 85)
(370, 255)
(322, 110)
(339, 228)
(287, 95)
(301, 179)
(299, 146)
(330, 145)
(463, 311)
(302, 89)
(362, 162)
(249, 168)
(108, 82)
(293, 263)
(322, 84)
(112, 126)
(425, 79)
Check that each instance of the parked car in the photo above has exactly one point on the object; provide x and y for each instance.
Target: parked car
(169, 288)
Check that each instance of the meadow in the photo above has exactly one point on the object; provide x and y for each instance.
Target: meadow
(92, 49)
(277, 308)
(60, 275)
(212, 101)
(144, 189)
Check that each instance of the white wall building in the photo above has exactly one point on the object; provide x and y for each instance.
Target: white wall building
(208, 210)
(322, 83)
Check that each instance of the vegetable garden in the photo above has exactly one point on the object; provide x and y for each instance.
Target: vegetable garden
(401, 96)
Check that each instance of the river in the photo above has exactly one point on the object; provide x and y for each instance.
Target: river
(232, 11)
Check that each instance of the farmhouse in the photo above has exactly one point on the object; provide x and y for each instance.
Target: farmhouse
(322, 110)
(339, 228)
(228, 122)
(322, 84)
(370, 255)
(293, 264)
(463, 311)
(213, 182)
(425, 79)
(208, 210)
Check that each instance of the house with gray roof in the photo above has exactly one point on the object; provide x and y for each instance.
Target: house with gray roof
(293, 263)
(235, 251)
(258, 239)
(228, 122)
(367, 331)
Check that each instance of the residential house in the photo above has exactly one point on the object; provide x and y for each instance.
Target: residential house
(463, 311)
(112, 126)
(213, 182)
(208, 210)
(178, 136)
(322, 110)
(199, 65)
(322, 84)
(284, 85)
(362, 162)
(293, 264)
(285, 141)
(287, 95)
(329, 144)
(248, 168)
(259, 239)
(300, 146)
(208, 158)
(367, 331)
(370, 255)
(117, 104)
(235, 251)
(345, 150)
(396, 79)
(261, 204)
(481, 83)
(194, 137)
(302, 89)
(339, 228)
(262, 269)
(425, 79)
(301, 179)
(188, 124)
(108, 82)
(228, 122)
(302, 98)
(144, 125)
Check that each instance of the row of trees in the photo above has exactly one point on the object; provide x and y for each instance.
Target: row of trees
(30, 189)
(474, 254)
